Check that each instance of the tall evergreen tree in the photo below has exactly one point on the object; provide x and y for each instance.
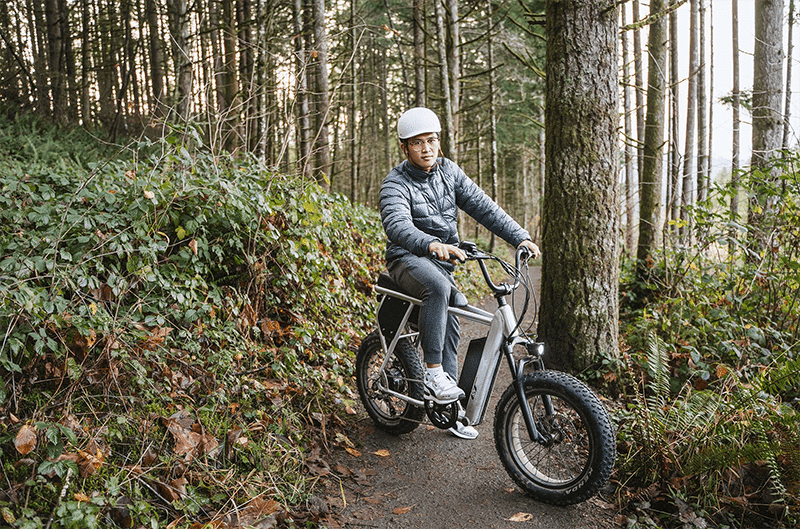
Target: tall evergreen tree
(580, 274)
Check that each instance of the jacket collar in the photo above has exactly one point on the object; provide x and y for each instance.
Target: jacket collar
(418, 174)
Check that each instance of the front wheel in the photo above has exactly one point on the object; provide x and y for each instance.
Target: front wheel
(403, 374)
(578, 455)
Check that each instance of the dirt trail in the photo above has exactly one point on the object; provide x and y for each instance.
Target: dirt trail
(430, 479)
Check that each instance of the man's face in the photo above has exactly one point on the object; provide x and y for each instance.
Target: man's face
(422, 150)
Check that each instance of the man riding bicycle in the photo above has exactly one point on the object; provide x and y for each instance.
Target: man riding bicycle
(419, 202)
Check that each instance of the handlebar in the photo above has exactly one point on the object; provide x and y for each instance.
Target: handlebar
(503, 289)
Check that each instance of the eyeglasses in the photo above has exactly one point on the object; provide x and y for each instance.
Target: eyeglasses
(417, 144)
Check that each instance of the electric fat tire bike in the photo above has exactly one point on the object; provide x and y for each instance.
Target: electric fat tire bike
(552, 433)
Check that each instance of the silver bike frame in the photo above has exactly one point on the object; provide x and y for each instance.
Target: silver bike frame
(501, 325)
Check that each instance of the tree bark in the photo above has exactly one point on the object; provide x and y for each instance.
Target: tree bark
(736, 119)
(322, 145)
(420, 99)
(156, 58)
(303, 136)
(787, 104)
(580, 273)
(179, 29)
(86, 64)
(638, 73)
(229, 112)
(630, 177)
(449, 146)
(492, 115)
(674, 182)
(454, 64)
(54, 60)
(687, 198)
(650, 198)
(354, 104)
(702, 111)
(767, 85)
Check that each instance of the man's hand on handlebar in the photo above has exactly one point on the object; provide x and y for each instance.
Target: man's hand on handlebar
(447, 252)
(531, 247)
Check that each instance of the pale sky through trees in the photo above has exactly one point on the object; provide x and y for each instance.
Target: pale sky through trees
(723, 78)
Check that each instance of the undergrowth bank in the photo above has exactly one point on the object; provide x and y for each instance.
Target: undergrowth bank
(173, 324)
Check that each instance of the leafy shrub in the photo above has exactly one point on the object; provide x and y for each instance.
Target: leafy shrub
(713, 358)
(184, 312)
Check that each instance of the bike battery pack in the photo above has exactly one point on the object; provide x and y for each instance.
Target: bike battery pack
(390, 314)
(471, 363)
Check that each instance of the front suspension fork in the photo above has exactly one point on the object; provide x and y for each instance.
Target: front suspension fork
(519, 386)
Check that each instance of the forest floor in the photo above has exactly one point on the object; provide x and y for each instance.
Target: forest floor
(429, 478)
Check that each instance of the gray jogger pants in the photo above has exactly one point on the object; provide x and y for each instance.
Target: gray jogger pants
(426, 279)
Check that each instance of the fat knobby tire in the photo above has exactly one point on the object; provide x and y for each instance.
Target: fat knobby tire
(406, 373)
(591, 422)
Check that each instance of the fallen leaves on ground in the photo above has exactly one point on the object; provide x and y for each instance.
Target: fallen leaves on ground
(193, 442)
(521, 517)
(25, 441)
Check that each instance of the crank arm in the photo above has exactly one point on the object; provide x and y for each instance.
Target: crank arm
(387, 391)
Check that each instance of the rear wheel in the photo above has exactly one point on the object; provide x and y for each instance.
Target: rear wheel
(403, 375)
(578, 455)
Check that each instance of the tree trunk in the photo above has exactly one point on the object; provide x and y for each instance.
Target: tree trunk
(86, 64)
(229, 112)
(156, 58)
(449, 146)
(54, 60)
(180, 55)
(650, 199)
(702, 112)
(638, 73)
(674, 182)
(419, 53)
(354, 102)
(787, 105)
(687, 199)
(36, 30)
(68, 63)
(303, 126)
(244, 40)
(736, 119)
(767, 119)
(454, 64)
(630, 177)
(322, 144)
(492, 115)
(580, 273)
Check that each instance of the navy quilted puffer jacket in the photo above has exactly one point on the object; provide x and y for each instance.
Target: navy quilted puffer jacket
(418, 208)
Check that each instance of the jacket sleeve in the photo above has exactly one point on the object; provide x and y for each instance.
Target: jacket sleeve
(478, 205)
(395, 207)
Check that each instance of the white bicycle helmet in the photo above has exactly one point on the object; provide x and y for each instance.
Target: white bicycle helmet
(416, 121)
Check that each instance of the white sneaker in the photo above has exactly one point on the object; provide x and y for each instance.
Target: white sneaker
(441, 388)
(463, 430)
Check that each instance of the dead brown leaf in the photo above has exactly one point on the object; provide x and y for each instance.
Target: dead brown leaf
(402, 510)
(80, 496)
(89, 462)
(352, 451)
(382, 453)
(521, 517)
(190, 443)
(25, 441)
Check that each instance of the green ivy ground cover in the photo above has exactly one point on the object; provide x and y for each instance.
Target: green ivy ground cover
(173, 325)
